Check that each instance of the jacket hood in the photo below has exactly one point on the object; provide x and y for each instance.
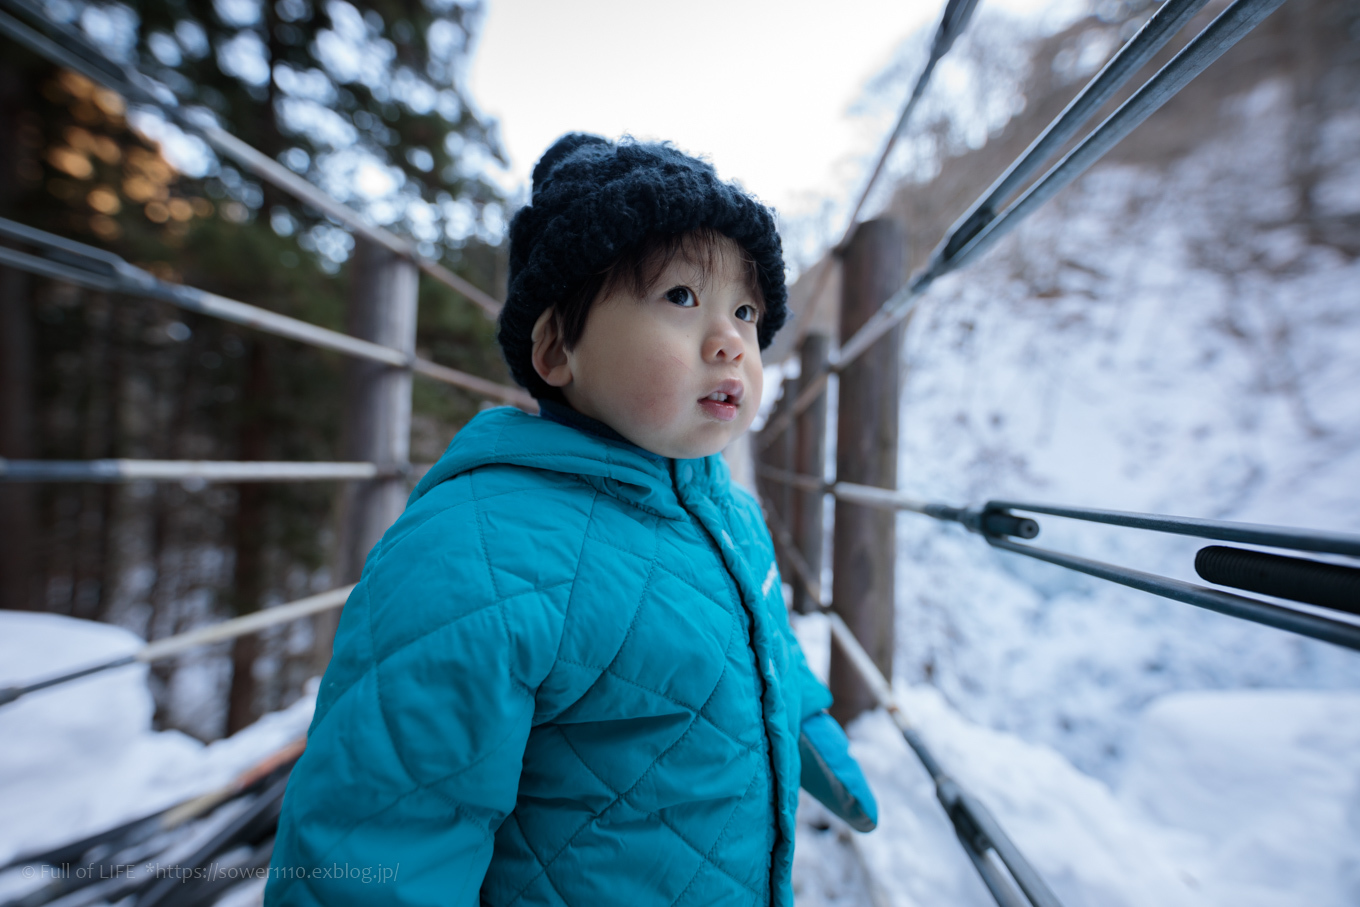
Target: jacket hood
(509, 436)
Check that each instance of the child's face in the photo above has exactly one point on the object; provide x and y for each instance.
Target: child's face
(656, 370)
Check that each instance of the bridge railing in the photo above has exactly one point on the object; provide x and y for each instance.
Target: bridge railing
(382, 316)
(876, 300)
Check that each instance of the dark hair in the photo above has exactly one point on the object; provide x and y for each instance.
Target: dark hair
(636, 272)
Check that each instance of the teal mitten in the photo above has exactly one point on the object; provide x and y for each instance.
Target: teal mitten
(832, 775)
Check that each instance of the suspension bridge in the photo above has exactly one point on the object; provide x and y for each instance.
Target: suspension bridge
(796, 487)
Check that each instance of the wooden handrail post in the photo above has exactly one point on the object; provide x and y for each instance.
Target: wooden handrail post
(376, 426)
(781, 457)
(809, 459)
(778, 453)
(865, 539)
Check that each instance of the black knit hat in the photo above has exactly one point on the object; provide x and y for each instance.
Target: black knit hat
(595, 200)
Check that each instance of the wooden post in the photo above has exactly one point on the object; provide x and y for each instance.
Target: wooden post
(778, 453)
(377, 418)
(781, 457)
(866, 453)
(809, 458)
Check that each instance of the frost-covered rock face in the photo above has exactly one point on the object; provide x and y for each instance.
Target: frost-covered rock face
(1165, 339)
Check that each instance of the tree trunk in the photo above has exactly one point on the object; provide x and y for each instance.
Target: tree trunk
(18, 502)
(248, 579)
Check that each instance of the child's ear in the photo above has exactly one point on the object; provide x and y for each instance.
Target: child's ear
(550, 352)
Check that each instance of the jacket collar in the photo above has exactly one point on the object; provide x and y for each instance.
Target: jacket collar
(570, 417)
(505, 435)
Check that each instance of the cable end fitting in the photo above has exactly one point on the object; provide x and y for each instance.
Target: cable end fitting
(987, 521)
(1003, 522)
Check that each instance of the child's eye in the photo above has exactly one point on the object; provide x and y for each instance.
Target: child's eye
(747, 313)
(682, 296)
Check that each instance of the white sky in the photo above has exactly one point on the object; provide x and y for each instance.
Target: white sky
(759, 87)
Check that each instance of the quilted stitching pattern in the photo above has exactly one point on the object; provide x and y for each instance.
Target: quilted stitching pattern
(557, 683)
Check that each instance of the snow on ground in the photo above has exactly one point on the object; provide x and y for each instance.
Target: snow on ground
(82, 757)
(1233, 797)
(1228, 798)
(1268, 784)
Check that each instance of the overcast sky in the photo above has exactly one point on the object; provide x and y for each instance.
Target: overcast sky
(760, 87)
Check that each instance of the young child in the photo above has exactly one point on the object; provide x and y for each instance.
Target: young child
(567, 675)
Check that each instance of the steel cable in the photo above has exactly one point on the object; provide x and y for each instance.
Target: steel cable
(97, 269)
(995, 523)
(957, 13)
(952, 23)
(982, 231)
(203, 636)
(977, 830)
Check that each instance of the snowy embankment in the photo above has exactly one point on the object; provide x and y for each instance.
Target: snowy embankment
(81, 758)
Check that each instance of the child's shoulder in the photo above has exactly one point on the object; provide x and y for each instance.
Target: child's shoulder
(497, 498)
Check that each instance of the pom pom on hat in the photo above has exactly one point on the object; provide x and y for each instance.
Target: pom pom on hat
(593, 200)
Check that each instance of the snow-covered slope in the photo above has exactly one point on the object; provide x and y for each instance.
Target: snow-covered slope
(1228, 798)
(1182, 336)
(1163, 340)
(81, 758)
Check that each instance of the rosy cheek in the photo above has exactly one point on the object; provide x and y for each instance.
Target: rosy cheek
(656, 395)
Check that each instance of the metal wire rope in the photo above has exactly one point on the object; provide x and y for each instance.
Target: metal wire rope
(977, 830)
(197, 471)
(1221, 34)
(1296, 539)
(1117, 71)
(952, 23)
(203, 636)
(94, 268)
(995, 522)
(957, 13)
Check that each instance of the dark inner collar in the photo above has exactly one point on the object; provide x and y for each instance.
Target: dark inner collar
(563, 414)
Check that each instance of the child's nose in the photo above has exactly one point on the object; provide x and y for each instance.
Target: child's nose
(724, 344)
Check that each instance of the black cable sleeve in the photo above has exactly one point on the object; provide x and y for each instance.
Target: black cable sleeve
(1311, 582)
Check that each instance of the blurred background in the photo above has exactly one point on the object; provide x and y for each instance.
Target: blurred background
(1177, 332)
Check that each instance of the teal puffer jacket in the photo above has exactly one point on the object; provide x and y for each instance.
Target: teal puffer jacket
(566, 677)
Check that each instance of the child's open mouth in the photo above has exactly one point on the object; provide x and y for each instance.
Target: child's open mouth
(722, 404)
